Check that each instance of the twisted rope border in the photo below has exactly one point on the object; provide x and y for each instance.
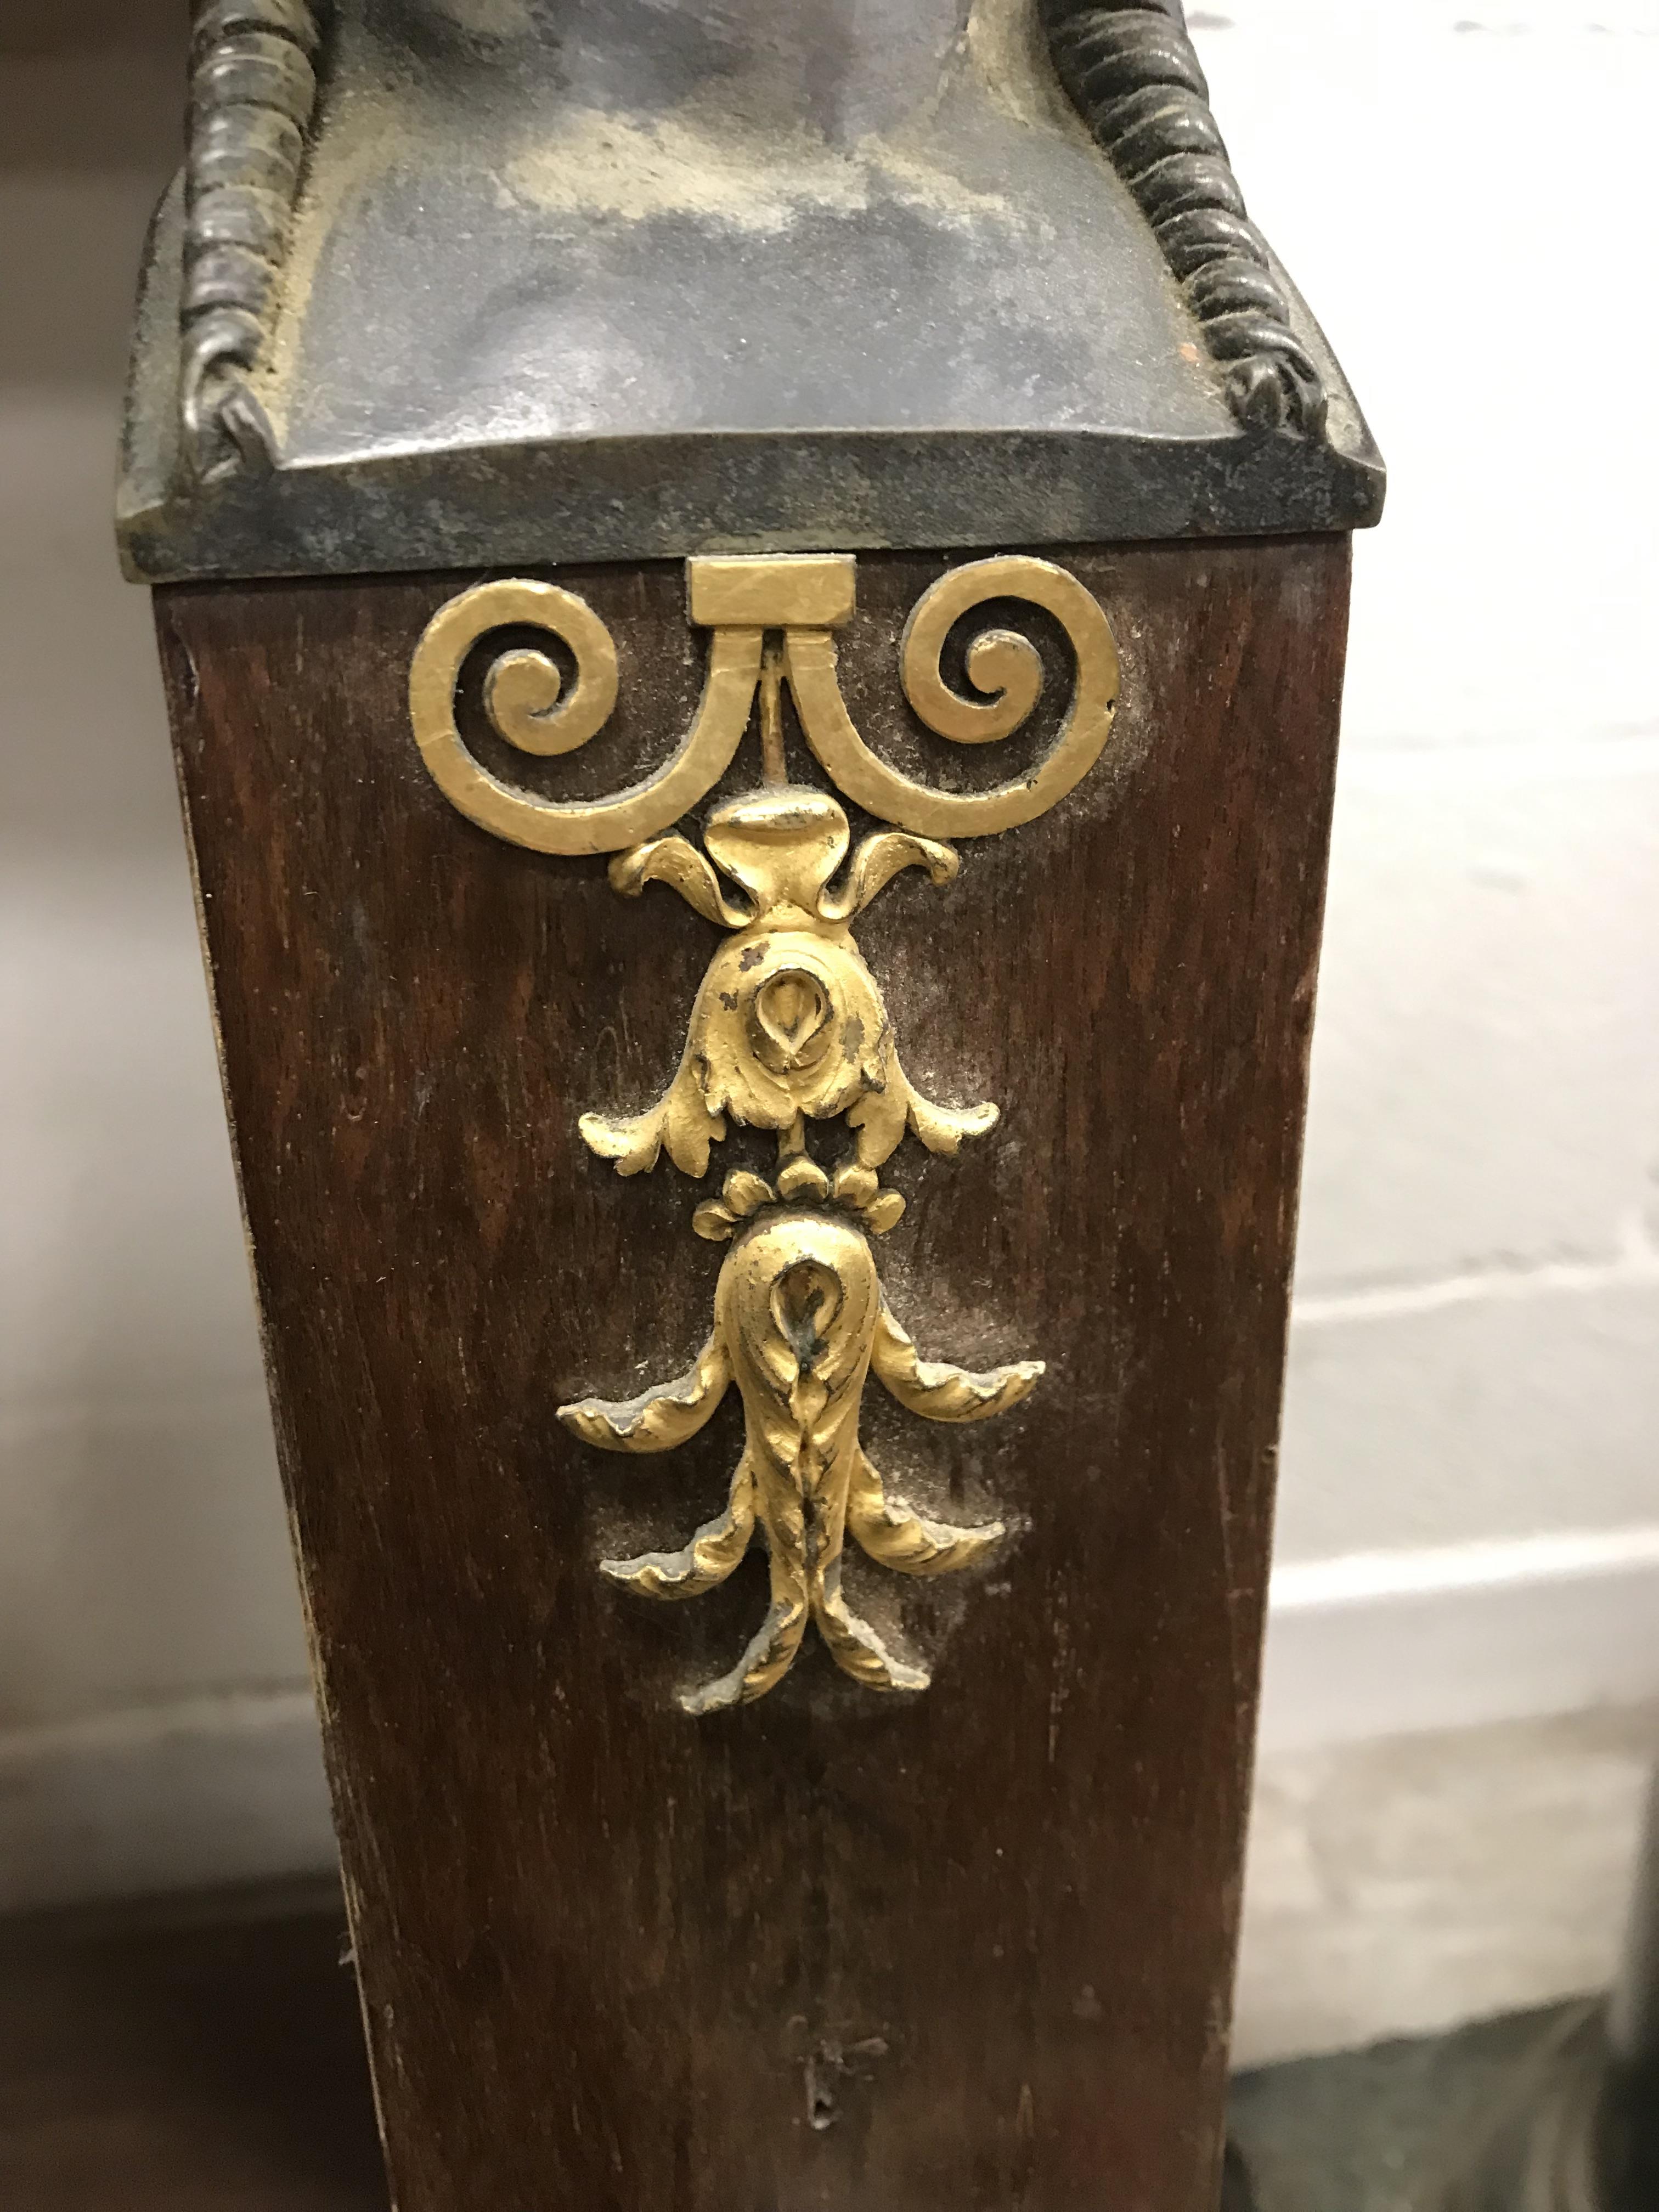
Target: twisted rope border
(1131, 72)
(252, 89)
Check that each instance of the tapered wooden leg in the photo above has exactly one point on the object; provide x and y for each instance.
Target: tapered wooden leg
(960, 1950)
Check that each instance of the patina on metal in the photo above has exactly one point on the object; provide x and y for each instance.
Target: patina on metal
(252, 92)
(1130, 67)
(472, 283)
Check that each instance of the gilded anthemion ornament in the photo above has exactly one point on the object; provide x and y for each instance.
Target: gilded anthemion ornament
(788, 1028)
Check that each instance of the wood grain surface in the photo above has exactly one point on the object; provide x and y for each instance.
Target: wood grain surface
(834, 1950)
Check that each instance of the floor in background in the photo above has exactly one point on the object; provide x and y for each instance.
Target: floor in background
(206, 2056)
(203, 2056)
(1382, 2130)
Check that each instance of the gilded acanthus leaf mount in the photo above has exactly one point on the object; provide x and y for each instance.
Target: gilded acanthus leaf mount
(789, 1029)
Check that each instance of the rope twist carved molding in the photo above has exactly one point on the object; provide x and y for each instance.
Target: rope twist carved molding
(1131, 71)
(252, 89)
(789, 1029)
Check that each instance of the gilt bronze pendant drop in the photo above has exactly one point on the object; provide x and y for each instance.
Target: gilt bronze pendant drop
(788, 1029)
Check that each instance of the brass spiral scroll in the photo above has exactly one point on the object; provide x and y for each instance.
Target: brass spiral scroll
(789, 1032)
(525, 698)
(998, 662)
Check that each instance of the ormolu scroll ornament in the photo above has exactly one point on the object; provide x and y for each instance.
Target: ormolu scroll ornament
(788, 1028)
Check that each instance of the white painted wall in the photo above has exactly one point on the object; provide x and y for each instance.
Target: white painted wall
(1469, 1527)
(148, 1612)
(1478, 1275)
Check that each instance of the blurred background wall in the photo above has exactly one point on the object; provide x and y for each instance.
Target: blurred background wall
(1465, 1638)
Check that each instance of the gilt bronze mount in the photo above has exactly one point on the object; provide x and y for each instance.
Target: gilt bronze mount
(789, 1028)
